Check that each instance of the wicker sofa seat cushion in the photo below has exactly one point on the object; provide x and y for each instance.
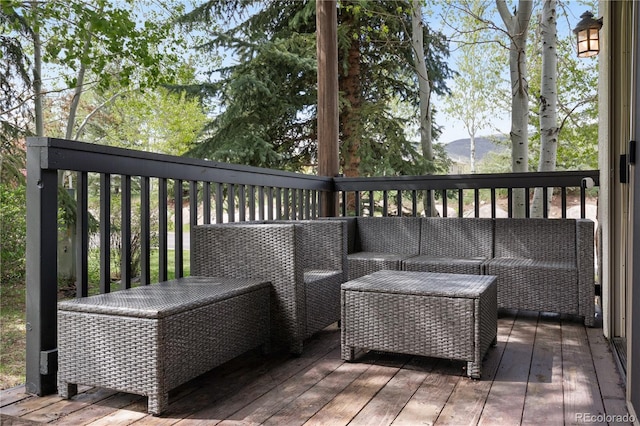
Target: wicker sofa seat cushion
(449, 265)
(364, 263)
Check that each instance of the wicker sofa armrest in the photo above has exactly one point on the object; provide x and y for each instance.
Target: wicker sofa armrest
(586, 268)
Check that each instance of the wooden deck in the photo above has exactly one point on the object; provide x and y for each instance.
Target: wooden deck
(545, 370)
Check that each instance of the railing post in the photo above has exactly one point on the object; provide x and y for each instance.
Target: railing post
(42, 270)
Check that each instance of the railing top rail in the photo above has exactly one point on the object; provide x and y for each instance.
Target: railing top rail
(77, 156)
(470, 181)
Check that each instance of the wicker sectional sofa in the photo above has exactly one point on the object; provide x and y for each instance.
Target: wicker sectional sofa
(542, 264)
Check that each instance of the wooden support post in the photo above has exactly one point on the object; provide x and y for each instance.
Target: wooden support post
(327, 41)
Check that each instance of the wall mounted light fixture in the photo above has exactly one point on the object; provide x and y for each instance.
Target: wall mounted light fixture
(588, 35)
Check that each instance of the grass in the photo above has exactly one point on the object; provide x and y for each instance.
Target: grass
(12, 334)
(12, 321)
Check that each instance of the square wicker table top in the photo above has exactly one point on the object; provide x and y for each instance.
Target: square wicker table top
(163, 299)
(422, 284)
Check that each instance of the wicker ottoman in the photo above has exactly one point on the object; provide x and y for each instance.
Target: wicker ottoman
(148, 340)
(451, 316)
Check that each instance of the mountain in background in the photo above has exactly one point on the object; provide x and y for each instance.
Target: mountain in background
(458, 150)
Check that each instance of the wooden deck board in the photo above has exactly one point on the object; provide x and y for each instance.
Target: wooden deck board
(544, 370)
(505, 400)
(544, 398)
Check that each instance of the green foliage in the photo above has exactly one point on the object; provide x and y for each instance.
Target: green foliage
(163, 121)
(267, 101)
(479, 66)
(13, 233)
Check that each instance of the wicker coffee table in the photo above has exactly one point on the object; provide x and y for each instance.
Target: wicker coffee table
(451, 316)
(148, 340)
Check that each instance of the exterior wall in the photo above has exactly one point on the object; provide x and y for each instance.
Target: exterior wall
(633, 349)
(619, 209)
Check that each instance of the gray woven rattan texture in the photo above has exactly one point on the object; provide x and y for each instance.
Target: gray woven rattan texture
(381, 243)
(283, 253)
(152, 355)
(453, 245)
(421, 315)
(545, 265)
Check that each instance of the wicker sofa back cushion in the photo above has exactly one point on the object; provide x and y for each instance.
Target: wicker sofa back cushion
(457, 237)
(398, 235)
(537, 239)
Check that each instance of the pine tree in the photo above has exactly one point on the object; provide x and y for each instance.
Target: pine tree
(267, 110)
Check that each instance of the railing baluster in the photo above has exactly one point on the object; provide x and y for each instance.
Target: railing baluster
(231, 202)
(493, 202)
(270, 202)
(510, 202)
(163, 229)
(145, 231)
(178, 222)
(476, 202)
(545, 203)
(193, 204)
(564, 202)
(219, 203)
(460, 202)
(82, 234)
(105, 233)
(125, 232)
(385, 203)
(242, 201)
(206, 203)
(444, 203)
(261, 203)
(414, 202)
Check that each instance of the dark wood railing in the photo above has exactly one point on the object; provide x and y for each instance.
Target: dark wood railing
(118, 184)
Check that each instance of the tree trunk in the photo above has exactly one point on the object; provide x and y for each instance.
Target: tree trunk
(549, 128)
(472, 152)
(349, 84)
(517, 26)
(424, 89)
(37, 77)
(73, 108)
